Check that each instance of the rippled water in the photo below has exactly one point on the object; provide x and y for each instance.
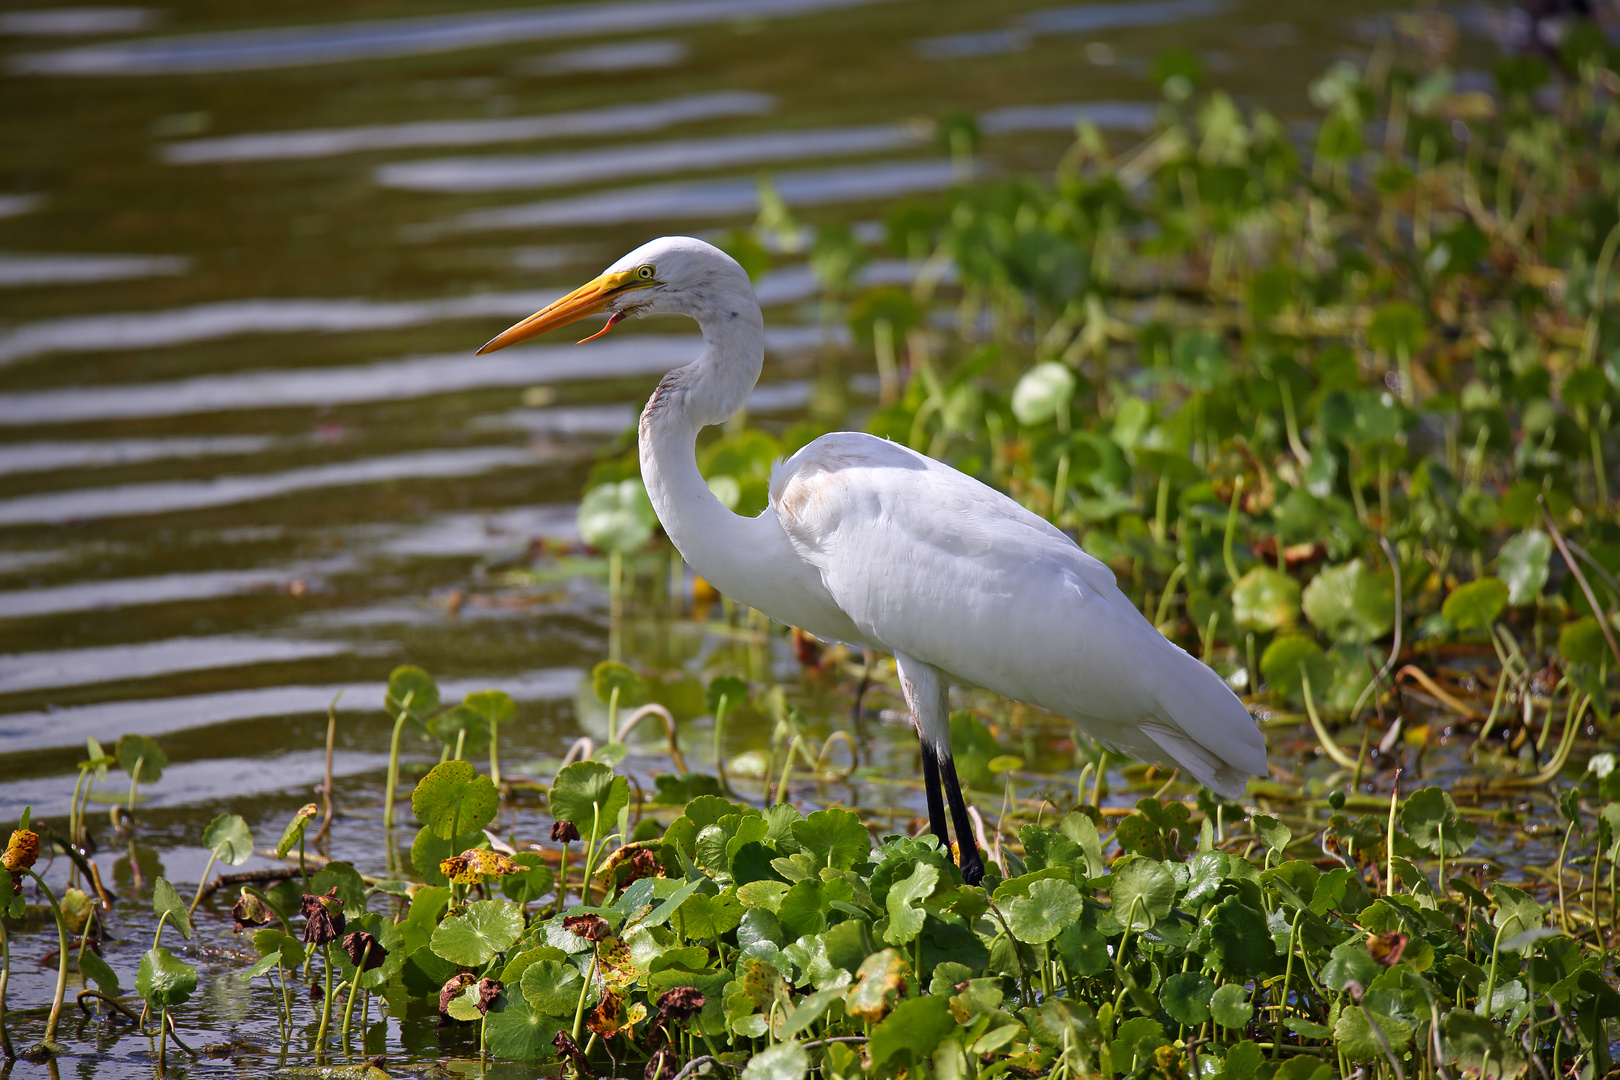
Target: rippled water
(247, 460)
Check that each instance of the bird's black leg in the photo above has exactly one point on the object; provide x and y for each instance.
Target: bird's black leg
(936, 802)
(968, 851)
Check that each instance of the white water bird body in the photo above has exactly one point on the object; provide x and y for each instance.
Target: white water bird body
(867, 542)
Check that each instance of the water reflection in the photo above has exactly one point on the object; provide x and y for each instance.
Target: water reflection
(717, 198)
(327, 142)
(630, 56)
(110, 663)
(509, 172)
(19, 270)
(13, 205)
(173, 496)
(180, 326)
(1077, 19)
(49, 456)
(77, 21)
(61, 727)
(158, 589)
(295, 46)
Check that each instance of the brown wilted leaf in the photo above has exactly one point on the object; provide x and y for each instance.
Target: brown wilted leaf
(608, 1016)
(615, 964)
(323, 918)
(564, 832)
(455, 869)
(487, 991)
(452, 990)
(569, 1049)
(487, 863)
(365, 951)
(1387, 948)
(249, 910)
(881, 979)
(589, 927)
(680, 1003)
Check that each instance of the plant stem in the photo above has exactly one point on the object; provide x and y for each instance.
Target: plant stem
(393, 761)
(202, 883)
(354, 985)
(62, 959)
(719, 761)
(134, 778)
(326, 1006)
(5, 977)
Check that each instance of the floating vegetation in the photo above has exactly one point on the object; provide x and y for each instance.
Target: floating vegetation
(1341, 420)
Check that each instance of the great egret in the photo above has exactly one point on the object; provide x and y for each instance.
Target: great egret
(872, 544)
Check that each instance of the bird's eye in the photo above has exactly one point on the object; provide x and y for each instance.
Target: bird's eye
(645, 272)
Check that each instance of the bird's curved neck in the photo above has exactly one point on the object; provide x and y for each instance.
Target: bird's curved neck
(730, 551)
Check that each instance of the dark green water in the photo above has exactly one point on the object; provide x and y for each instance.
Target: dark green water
(247, 459)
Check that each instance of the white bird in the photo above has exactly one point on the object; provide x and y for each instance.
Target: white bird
(867, 542)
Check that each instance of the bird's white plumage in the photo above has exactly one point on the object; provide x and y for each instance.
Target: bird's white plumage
(868, 542)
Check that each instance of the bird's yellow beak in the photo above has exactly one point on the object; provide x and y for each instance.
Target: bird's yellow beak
(588, 299)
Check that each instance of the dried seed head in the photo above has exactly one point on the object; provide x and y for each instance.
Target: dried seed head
(642, 863)
(364, 951)
(564, 832)
(589, 927)
(661, 1066)
(323, 918)
(249, 910)
(452, 990)
(680, 1003)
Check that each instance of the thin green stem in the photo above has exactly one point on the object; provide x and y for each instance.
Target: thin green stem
(62, 959)
(326, 1005)
(5, 977)
(354, 985)
(202, 883)
(393, 760)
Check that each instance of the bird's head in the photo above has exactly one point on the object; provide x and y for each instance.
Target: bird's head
(675, 275)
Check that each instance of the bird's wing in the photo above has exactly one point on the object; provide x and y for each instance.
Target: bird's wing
(934, 564)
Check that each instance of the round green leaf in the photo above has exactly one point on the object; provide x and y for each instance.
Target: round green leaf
(133, 749)
(1229, 1006)
(1289, 661)
(1050, 906)
(465, 725)
(1350, 604)
(1522, 564)
(1240, 942)
(1431, 818)
(166, 901)
(1272, 832)
(1142, 892)
(351, 887)
(611, 675)
(834, 838)
(1476, 605)
(495, 706)
(784, 1061)
(1186, 997)
(413, 691)
(1044, 390)
(1264, 600)
(551, 987)
(904, 902)
(587, 791)
(1397, 327)
(228, 837)
(616, 517)
(522, 1033)
(164, 980)
(729, 687)
(472, 938)
(1581, 642)
(288, 951)
(453, 799)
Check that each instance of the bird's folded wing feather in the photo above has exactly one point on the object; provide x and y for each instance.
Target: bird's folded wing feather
(934, 564)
